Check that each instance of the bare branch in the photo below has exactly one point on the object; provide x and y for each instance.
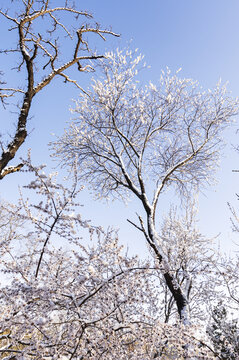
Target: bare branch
(32, 44)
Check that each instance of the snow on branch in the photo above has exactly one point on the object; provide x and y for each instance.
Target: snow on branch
(42, 53)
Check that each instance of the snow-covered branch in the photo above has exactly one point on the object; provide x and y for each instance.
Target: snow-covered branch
(42, 50)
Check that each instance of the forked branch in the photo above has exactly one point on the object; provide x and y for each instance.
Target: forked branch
(33, 47)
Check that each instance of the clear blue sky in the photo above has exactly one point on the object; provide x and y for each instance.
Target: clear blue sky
(202, 37)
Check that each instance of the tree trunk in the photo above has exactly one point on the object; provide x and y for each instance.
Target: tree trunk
(173, 285)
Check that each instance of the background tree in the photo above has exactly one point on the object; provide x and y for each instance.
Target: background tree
(132, 140)
(224, 333)
(223, 327)
(41, 32)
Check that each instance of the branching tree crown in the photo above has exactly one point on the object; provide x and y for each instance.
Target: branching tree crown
(129, 139)
(125, 135)
(42, 32)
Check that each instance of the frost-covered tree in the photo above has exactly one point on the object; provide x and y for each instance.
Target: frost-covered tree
(42, 33)
(66, 296)
(70, 291)
(142, 140)
(224, 333)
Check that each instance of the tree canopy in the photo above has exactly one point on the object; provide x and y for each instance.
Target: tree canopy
(69, 288)
(131, 140)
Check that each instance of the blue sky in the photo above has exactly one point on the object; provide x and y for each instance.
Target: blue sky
(202, 37)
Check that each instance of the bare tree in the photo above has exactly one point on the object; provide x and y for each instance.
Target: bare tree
(131, 140)
(42, 31)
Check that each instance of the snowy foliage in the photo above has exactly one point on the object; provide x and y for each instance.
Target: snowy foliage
(88, 300)
(191, 257)
(132, 140)
(168, 132)
(224, 333)
(69, 290)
